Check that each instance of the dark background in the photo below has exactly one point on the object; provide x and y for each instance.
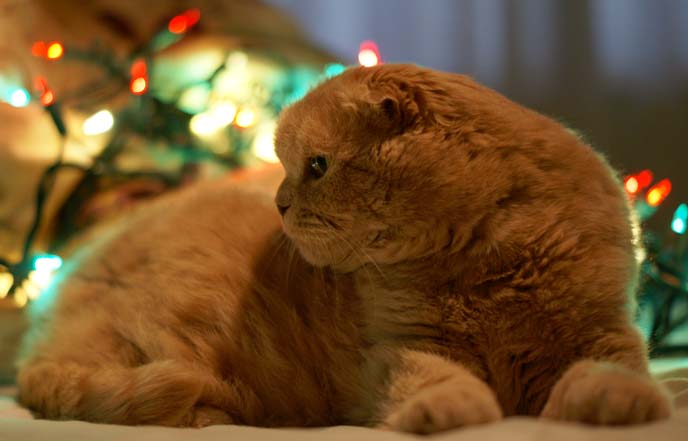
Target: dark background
(616, 70)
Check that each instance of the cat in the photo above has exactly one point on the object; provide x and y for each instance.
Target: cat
(445, 257)
(30, 143)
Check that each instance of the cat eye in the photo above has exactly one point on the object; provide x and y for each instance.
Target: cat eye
(318, 166)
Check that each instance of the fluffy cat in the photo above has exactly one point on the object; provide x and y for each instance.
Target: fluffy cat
(460, 259)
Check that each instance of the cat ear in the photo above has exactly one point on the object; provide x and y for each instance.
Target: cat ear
(386, 100)
(395, 105)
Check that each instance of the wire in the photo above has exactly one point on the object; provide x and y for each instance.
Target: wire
(47, 179)
(5, 263)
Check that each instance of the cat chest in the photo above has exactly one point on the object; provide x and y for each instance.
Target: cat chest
(409, 317)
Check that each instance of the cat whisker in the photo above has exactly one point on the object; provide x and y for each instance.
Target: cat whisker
(282, 241)
(290, 262)
(328, 222)
(361, 253)
(375, 264)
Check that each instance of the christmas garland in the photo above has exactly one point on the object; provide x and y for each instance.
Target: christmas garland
(203, 124)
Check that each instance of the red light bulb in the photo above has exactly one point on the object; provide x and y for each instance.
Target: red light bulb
(39, 49)
(139, 77)
(644, 179)
(47, 96)
(184, 21)
(368, 54)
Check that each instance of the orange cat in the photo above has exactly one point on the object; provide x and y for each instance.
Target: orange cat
(470, 259)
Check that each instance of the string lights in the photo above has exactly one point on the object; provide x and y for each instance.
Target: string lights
(50, 51)
(664, 294)
(222, 119)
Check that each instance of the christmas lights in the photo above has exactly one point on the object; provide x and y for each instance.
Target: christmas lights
(139, 77)
(50, 51)
(680, 219)
(658, 192)
(231, 114)
(47, 97)
(264, 143)
(184, 21)
(54, 51)
(245, 118)
(100, 122)
(635, 183)
(19, 98)
(368, 54)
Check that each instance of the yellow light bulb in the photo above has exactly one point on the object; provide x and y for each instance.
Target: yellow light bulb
(20, 298)
(55, 51)
(6, 281)
(264, 143)
(203, 124)
(224, 113)
(31, 289)
(245, 118)
(99, 122)
(211, 122)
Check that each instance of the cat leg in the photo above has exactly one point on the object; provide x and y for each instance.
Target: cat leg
(428, 393)
(224, 402)
(155, 393)
(611, 387)
(167, 392)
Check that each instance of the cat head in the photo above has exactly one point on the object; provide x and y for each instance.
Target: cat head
(388, 163)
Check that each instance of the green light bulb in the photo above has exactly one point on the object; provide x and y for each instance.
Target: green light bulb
(680, 220)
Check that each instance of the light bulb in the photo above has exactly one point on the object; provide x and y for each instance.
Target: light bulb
(99, 122)
(245, 118)
(19, 98)
(263, 146)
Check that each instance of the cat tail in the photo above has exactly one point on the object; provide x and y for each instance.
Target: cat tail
(160, 393)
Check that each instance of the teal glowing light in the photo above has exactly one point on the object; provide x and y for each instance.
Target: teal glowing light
(334, 69)
(47, 263)
(680, 221)
(194, 100)
(19, 98)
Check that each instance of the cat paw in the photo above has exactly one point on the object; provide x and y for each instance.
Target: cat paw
(604, 393)
(203, 416)
(447, 405)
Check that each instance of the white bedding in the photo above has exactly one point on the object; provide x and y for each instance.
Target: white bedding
(16, 424)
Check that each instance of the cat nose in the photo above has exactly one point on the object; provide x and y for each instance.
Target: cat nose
(283, 208)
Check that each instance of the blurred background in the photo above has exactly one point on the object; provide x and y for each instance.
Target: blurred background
(616, 70)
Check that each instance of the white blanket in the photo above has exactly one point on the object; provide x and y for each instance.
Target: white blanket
(16, 424)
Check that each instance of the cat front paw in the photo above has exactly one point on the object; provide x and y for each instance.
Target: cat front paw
(447, 405)
(604, 393)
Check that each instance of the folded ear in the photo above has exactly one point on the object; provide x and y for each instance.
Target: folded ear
(383, 100)
(394, 104)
